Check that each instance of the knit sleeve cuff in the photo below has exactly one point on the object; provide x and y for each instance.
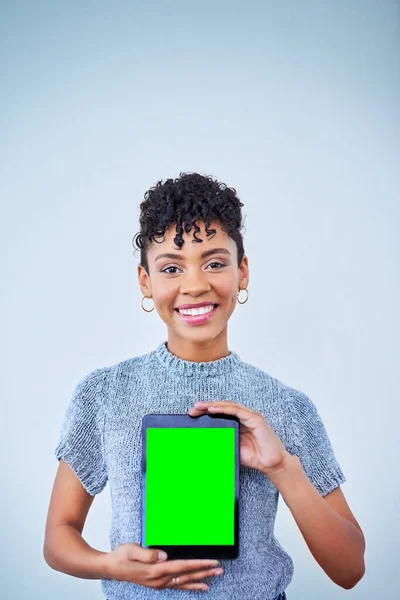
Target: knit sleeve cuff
(81, 441)
(311, 443)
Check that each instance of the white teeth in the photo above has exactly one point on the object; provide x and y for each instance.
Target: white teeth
(196, 311)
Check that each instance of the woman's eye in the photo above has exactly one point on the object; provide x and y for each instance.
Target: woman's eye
(173, 272)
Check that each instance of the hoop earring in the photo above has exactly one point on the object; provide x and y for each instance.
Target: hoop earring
(244, 302)
(143, 306)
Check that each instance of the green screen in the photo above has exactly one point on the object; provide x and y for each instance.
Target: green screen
(190, 486)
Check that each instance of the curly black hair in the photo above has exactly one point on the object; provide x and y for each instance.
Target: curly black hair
(184, 201)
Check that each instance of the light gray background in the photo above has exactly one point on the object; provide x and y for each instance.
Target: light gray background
(295, 104)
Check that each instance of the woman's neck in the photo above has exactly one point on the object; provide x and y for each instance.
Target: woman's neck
(202, 351)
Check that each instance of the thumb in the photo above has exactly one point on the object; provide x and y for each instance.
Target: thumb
(146, 555)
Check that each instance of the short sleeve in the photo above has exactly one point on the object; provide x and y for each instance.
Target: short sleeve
(81, 440)
(310, 442)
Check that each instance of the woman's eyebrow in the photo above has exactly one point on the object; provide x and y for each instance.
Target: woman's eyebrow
(203, 255)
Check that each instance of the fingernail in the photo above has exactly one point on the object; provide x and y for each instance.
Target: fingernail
(162, 555)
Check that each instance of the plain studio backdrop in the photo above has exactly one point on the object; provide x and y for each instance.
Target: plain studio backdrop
(294, 104)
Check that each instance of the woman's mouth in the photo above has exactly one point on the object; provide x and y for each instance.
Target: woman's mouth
(198, 319)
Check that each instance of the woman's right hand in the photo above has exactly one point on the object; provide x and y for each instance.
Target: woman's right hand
(131, 562)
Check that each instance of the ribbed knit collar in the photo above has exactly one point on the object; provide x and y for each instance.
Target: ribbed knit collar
(173, 363)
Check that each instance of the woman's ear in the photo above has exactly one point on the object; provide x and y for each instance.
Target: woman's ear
(144, 281)
(244, 272)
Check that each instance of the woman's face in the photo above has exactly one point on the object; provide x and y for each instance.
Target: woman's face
(191, 278)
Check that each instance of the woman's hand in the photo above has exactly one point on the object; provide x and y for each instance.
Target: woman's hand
(135, 564)
(260, 447)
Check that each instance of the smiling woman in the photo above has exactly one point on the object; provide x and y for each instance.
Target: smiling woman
(285, 450)
(195, 290)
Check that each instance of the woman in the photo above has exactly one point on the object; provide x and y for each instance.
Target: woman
(195, 282)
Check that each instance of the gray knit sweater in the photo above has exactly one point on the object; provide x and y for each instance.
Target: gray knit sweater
(101, 441)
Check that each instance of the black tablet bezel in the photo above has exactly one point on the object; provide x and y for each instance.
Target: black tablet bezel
(186, 420)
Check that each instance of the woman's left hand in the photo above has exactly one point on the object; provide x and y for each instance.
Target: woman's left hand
(260, 447)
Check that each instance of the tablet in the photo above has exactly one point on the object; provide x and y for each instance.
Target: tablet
(190, 485)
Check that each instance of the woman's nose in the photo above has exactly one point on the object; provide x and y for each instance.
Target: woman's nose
(195, 286)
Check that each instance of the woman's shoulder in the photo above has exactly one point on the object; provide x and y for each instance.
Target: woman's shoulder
(286, 391)
(127, 366)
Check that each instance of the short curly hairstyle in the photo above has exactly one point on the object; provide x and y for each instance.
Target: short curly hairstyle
(184, 201)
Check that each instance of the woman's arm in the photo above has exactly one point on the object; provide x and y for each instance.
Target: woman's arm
(64, 548)
(337, 544)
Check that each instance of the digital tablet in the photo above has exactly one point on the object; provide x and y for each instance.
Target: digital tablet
(190, 485)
